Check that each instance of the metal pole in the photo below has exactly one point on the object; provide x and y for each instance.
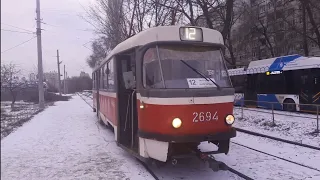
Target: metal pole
(40, 68)
(317, 119)
(272, 115)
(67, 83)
(64, 79)
(242, 104)
(59, 72)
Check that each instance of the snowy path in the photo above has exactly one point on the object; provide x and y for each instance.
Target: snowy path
(64, 142)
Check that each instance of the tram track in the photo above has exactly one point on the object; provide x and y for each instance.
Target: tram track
(81, 96)
(226, 167)
(153, 174)
(230, 169)
(306, 166)
(280, 140)
(277, 139)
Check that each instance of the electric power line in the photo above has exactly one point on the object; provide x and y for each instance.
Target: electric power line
(16, 31)
(18, 45)
(87, 30)
(17, 27)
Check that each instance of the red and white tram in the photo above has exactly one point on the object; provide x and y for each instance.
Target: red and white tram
(164, 91)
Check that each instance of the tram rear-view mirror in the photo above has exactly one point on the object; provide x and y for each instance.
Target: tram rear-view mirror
(128, 79)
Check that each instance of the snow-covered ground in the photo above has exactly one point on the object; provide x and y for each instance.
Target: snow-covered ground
(291, 126)
(65, 142)
(13, 118)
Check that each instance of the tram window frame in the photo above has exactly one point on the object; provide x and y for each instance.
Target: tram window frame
(160, 57)
(101, 77)
(93, 81)
(105, 77)
(111, 68)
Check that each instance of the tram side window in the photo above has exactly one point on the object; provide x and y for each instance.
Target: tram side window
(151, 72)
(101, 77)
(94, 80)
(105, 77)
(111, 85)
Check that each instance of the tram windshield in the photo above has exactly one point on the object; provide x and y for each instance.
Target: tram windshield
(185, 66)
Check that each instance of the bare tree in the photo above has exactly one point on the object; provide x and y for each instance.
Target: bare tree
(118, 20)
(10, 81)
(314, 24)
(99, 52)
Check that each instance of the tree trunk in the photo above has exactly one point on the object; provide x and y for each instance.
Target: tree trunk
(227, 23)
(14, 97)
(233, 59)
(305, 43)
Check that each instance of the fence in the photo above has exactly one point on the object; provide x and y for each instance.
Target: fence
(272, 108)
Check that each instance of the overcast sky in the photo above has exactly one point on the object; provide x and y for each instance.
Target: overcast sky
(64, 30)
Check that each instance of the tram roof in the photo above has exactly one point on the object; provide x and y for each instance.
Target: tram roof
(283, 63)
(161, 33)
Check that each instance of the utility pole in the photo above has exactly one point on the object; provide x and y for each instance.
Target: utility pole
(59, 62)
(67, 83)
(40, 69)
(64, 79)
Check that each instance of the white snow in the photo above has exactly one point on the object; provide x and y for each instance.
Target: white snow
(64, 142)
(291, 126)
(260, 166)
(302, 155)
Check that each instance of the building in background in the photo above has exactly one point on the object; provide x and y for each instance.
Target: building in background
(263, 29)
(272, 28)
(84, 74)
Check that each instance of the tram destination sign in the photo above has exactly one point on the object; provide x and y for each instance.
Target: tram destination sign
(191, 34)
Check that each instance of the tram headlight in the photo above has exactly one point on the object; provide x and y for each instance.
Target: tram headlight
(176, 122)
(230, 119)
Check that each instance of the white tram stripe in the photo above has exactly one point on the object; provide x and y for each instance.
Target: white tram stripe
(179, 100)
(186, 100)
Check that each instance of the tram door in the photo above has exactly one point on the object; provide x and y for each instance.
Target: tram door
(127, 102)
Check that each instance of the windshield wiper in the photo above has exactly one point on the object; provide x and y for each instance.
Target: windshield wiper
(202, 75)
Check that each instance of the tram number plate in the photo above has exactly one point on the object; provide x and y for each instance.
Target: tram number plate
(204, 116)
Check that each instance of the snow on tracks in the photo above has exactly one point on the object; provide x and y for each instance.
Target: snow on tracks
(64, 142)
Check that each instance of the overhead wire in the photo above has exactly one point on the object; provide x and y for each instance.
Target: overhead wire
(17, 27)
(17, 31)
(18, 45)
(87, 30)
